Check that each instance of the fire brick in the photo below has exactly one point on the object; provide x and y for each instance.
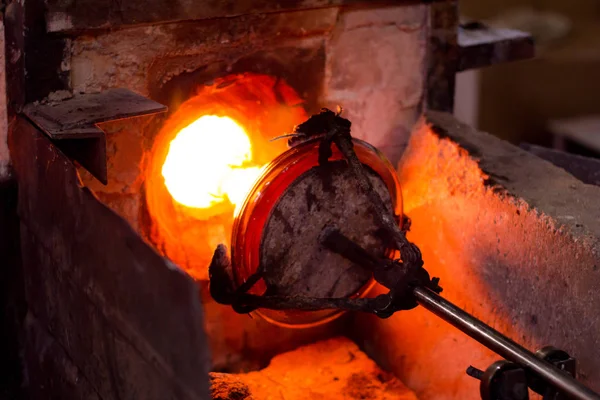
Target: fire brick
(515, 241)
(330, 369)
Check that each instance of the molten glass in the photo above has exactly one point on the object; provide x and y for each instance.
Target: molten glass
(257, 209)
(209, 162)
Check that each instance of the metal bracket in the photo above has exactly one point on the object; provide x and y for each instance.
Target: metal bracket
(481, 46)
(72, 123)
(504, 380)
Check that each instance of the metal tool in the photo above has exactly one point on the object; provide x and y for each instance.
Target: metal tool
(550, 372)
(504, 380)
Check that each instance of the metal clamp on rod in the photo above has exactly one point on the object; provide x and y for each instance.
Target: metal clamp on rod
(502, 345)
(424, 292)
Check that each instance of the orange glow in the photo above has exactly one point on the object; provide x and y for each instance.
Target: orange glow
(205, 158)
(330, 369)
(207, 163)
(456, 224)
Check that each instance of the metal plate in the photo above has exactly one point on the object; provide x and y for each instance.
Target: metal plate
(71, 123)
(76, 118)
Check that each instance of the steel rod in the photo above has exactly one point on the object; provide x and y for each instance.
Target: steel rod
(502, 345)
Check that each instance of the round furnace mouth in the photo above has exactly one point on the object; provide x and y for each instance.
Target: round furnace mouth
(205, 159)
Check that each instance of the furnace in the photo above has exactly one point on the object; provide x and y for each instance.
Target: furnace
(138, 133)
(226, 128)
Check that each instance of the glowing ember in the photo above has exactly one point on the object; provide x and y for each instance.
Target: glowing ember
(209, 162)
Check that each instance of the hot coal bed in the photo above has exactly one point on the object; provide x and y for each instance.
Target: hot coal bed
(114, 251)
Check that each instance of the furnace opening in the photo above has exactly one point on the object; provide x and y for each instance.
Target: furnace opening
(206, 158)
(216, 144)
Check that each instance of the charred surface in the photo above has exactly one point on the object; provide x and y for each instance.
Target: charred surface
(295, 263)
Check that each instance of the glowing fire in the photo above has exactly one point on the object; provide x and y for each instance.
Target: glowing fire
(206, 157)
(209, 162)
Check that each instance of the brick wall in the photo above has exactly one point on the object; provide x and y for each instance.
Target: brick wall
(515, 241)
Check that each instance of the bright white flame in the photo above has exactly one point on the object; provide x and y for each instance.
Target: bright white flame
(237, 183)
(204, 163)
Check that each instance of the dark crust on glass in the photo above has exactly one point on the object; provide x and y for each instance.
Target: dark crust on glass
(294, 261)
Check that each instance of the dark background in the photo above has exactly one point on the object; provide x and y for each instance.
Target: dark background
(516, 101)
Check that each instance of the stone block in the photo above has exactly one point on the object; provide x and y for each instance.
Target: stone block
(375, 70)
(90, 278)
(515, 241)
(124, 58)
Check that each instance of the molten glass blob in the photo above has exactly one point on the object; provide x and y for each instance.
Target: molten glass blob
(216, 144)
(249, 227)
